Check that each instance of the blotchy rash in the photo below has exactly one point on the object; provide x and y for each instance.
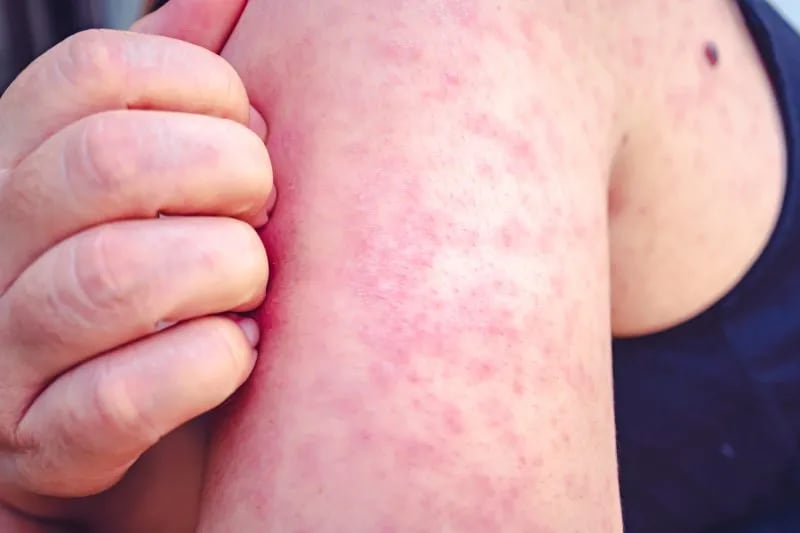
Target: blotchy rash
(403, 254)
(398, 52)
(423, 280)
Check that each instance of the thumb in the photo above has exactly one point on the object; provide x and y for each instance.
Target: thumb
(206, 23)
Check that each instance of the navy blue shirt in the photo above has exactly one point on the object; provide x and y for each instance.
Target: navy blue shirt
(708, 412)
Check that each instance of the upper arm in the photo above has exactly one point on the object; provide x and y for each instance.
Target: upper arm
(437, 343)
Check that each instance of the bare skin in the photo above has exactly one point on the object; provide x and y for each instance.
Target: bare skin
(454, 176)
(97, 138)
(465, 188)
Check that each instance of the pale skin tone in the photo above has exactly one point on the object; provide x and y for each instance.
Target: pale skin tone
(100, 136)
(464, 189)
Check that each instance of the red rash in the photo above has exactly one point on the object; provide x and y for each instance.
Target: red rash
(420, 352)
(395, 261)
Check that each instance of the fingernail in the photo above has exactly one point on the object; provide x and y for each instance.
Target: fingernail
(257, 123)
(250, 329)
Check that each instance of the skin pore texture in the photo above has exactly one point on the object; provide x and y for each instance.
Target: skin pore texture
(474, 196)
(465, 187)
(452, 176)
(436, 334)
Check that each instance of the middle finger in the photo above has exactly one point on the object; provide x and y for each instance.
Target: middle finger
(129, 164)
(116, 283)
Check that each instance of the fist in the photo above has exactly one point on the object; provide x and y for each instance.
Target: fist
(115, 321)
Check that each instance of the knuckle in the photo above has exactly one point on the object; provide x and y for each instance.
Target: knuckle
(99, 162)
(35, 317)
(23, 472)
(114, 411)
(21, 197)
(93, 59)
(12, 439)
(104, 275)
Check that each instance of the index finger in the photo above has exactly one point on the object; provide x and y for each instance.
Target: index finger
(103, 70)
(207, 23)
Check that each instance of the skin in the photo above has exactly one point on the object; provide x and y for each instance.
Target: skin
(98, 137)
(436, 336)
(689, 211)
(465, 187)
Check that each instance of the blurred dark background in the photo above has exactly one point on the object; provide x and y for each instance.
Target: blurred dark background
(29, 27)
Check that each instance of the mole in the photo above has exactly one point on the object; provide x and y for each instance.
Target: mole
(712, 53)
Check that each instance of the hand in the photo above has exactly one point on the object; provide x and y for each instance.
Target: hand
(98, 137)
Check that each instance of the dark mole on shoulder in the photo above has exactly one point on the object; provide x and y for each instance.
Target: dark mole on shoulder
(711, 52)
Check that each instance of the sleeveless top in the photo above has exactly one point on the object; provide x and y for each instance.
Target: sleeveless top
(708, 412)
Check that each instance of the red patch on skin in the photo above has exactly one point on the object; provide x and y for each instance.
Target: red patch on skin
(289, 149)
(513, 235)
(545, 241)
(616, 201)
(464, 12)
(522, 161)
(483, 371)
(557, 285)
(637, 52)
(453, 420)
(397, 52)
(529, 29)
(446, 88)
(451, 79)
(395, 271)
(307, 458)
(485, 171)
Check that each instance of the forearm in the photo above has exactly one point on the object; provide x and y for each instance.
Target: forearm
(436, 350)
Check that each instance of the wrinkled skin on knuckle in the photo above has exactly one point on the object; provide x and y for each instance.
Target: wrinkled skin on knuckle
(8, 472)
(33, 321)
(47, 475)
(13, 434)
(13, 440)
(107, 280)
(102, 161)
(21, 191)
(38, 470)
(8, 438)
(94, 61)
(24, 471)
(111, 409)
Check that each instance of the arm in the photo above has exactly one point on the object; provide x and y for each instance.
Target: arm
(436, 352)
